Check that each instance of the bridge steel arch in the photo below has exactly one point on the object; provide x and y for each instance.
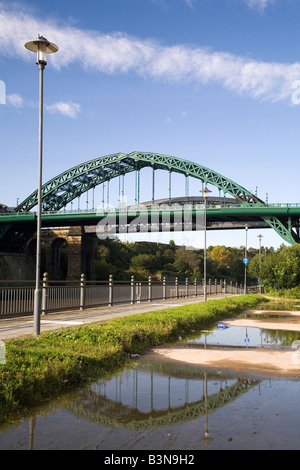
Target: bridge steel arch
(69, 185)
(93, 407)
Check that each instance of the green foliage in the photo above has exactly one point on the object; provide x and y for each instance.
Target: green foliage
(221, 255)
(38, 368)
(287, 268)
(186, 261)
(278, 270)
(144, 262)
(143, 259)
(293, 293)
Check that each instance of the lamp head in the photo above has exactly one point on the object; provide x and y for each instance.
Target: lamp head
(205, 191)
(42, 47)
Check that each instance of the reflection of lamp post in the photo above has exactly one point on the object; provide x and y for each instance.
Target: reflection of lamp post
(32, 423)
(245, 276)
(206, 438)
(205, 192)
(42, 47)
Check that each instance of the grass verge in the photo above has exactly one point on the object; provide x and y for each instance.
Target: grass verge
(40, 368)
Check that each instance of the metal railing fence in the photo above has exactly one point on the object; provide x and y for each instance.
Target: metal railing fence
(17, 298)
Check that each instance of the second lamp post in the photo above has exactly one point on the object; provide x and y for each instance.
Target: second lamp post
(205, 192)
(245, 261)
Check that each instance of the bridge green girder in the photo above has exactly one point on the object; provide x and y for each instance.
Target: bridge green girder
(101, 410)
(62, 189)
(69, 185)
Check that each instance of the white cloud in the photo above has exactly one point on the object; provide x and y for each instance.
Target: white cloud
(118, 53)
(260, 4)
(68, 108)
(15, 100)
(189, 3)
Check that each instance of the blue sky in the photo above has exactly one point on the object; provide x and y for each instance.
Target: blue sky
(212, 81)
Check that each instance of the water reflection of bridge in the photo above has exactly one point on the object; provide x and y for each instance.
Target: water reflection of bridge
(156, 395)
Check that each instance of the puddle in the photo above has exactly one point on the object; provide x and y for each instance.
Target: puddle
(240, 336)
(158, 404)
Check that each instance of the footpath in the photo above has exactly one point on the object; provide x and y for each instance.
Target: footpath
(23, 326)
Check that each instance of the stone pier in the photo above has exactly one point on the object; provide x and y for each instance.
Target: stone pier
(66, 249)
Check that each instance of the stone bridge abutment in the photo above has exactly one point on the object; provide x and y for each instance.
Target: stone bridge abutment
(66, 253)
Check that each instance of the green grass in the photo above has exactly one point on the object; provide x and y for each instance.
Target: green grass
(40, 368)
(293, 293)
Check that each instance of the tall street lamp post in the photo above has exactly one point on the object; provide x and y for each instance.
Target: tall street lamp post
(259, 238)
(205, 192)
(42, 47)
(245, 261)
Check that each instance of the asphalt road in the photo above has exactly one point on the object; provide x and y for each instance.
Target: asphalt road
(23, 326)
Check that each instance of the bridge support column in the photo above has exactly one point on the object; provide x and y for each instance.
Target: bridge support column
(88, 254)
(74, 238)
(79, 253)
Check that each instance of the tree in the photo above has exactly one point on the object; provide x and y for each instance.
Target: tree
(287, 269)
(102, 252)
(144, 262)
(168, 256)
(280, 269)
(186, 260)
(222, 256)
(172, 245)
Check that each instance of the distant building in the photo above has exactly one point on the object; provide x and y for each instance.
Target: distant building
(5, 209)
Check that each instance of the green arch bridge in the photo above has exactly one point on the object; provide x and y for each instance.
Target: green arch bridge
(243, 207)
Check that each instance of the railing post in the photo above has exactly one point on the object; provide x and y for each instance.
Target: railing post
(45, 293)
(138, 291)
(82, 291)
(209, 285)
(216, 286)
(110, 290)
(231, 290)
(225, 286)
(132, 290)
(186, 287)
(176, 287)
(195, 284)
(149, 289)
(164, 288)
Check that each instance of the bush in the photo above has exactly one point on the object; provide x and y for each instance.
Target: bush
(293, 293)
